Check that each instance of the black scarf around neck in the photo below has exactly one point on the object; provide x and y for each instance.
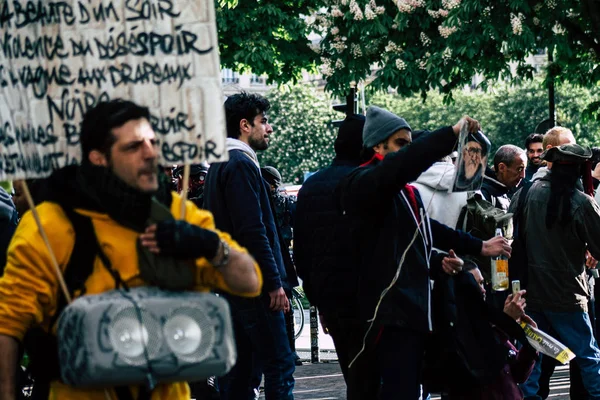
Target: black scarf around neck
(105, 192)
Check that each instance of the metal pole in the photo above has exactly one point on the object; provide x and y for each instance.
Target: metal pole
(551, 97)
(351, 103)
(314, 335)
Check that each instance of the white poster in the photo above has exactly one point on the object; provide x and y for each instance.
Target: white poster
(473, 152)
(59, 58)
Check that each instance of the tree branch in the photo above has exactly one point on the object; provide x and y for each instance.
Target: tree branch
(577, 33)
(592, 8)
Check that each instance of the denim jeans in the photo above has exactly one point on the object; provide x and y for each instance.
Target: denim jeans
(262, 333)
(574, 330)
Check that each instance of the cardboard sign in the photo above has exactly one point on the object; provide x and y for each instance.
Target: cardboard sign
(60, 58)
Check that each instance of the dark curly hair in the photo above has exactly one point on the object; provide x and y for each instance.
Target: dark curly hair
(100, 120)
(243, 106)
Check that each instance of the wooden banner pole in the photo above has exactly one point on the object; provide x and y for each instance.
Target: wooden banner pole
(36, 216)
(184, 189)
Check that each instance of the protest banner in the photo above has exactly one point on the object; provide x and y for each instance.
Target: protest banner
(59, 58)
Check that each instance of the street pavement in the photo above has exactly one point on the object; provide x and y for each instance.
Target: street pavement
(324, 381)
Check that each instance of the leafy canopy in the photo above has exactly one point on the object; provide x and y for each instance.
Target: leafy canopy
(267, 37)
(303, 136)
(416, 45)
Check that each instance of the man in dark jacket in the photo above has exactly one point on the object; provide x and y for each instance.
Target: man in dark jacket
(323, 262)
(560, 222)
(392, 239)
(238, 196)
(509, 169)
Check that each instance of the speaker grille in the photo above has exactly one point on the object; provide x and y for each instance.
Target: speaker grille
(134, 342)
(189, 334)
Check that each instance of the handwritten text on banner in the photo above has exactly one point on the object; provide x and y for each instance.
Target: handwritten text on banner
(59, 58)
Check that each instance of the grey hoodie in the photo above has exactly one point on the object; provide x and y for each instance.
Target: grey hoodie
(433, 186)
(541, 173)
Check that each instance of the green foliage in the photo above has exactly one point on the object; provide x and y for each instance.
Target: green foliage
(303, 136)
(266, 37)
(418, 45)
(507, 114)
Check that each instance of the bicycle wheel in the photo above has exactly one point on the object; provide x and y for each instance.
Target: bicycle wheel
(298, 315)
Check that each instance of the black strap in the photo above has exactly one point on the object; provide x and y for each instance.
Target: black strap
(123, 393)
(41, 345)
(81, 262)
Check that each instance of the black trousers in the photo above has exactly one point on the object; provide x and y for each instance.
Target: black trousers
(362, 379)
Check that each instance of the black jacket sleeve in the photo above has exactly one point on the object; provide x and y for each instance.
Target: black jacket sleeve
(435, 265)
(446, 239)
(242, 183)
(365, 190)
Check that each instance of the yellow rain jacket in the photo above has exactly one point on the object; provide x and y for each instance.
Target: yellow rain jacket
(29, 287)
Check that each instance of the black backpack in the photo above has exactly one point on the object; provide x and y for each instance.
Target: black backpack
(481, 218)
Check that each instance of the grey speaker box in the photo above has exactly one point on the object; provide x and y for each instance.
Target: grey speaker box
(183, 336)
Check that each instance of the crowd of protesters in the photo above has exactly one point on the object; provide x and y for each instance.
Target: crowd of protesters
(380, 243)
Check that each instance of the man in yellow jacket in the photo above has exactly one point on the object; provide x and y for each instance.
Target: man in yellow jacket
(117, 186)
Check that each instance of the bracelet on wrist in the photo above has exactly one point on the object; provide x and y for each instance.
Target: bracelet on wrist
(225, 252)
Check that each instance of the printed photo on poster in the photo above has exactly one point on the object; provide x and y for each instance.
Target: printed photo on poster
(473, 151)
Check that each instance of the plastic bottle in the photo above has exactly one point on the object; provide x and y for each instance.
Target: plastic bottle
(499, 270)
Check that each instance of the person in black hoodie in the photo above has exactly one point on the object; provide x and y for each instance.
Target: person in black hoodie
(390, 229)
(321, 240)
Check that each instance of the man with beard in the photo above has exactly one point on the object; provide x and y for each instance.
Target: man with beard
(117, 189)
(534, 148)
(238, 196)
(474, 159)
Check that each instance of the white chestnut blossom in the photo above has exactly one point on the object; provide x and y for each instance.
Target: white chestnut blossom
(425, 39)
(447, 54)
(516, 22)
(355, 10)
(336, 12)
(408, 6)
(400, 64)
(446, 31)
(450, 4)
(392, 47)
(369, 13)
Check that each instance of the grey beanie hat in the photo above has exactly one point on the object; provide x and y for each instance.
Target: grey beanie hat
(380, 125)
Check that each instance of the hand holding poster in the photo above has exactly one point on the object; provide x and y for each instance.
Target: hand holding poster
(60, 58)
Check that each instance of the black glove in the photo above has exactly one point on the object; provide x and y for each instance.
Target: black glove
(182, 240)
